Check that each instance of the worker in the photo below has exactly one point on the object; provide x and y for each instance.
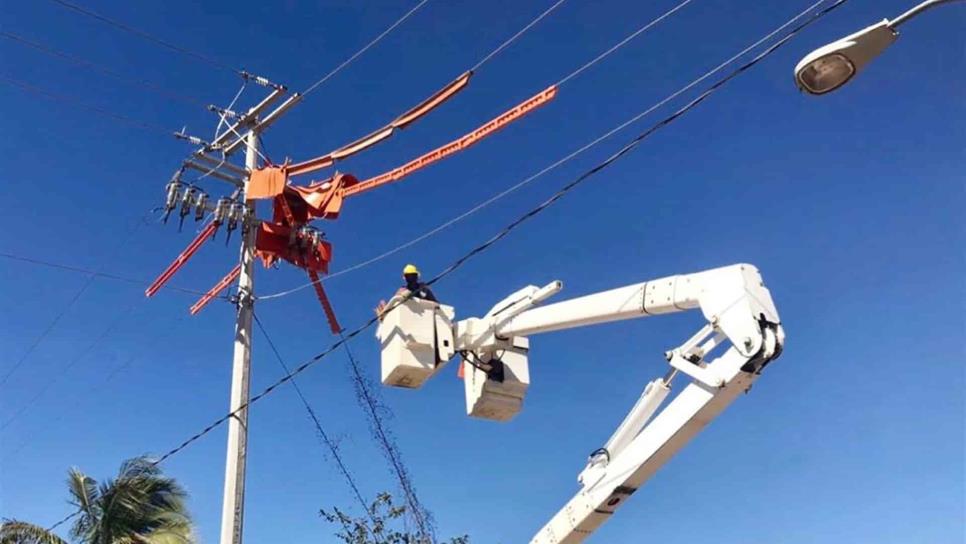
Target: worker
(413, 285)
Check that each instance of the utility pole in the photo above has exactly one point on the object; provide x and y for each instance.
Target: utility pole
(242, 130)
(233, 505)
(238, 210)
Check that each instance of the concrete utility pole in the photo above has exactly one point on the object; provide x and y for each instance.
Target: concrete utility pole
(233, 505)
(242, 131)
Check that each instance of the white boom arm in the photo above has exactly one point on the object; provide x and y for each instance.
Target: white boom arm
(418, 338)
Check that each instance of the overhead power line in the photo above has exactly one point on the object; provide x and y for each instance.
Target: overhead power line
(146, 84)
(559, 162)
(93, 390)
(119, 318)
(623, 42)
(475, 67)
(365, 48)
(323, 436)
(130, 121)
(369, 401)
(63, 520)
(510, 227)
(70, 303)
(147, 36)
(523, 218)
(513, 38)
(95, 273)
(552, 166)
(46, 332)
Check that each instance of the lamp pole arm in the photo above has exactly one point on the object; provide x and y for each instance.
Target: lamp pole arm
(929, 4)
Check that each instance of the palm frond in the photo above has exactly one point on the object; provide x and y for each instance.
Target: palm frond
(174, 535)
(20, 532)
(86, 497)
(83, 489)
(138, 506)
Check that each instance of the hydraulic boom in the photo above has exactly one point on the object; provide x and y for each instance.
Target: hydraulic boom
(741, 334)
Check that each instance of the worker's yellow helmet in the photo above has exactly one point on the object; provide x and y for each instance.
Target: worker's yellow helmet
(410, 269)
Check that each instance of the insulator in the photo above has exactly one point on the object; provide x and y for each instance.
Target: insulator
(317, 237)
(201, 205)
(173, 195)
(222, 207)
(264, 82)
(229, 114)
(236, 214)
(187, 200)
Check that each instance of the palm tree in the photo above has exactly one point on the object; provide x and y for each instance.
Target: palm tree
(139, 506)
(21, 532)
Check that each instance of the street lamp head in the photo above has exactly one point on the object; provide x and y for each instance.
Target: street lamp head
(833, 65)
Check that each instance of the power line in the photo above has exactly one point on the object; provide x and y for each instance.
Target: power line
(365, 48)
(96, 273)
(509, 228)
(63, 520)
(91, 390)
(631, 145)
(506, 230)
(323, 436)
(150, 127)
(149, 85)
(50, 327)
(368, 400)
(513, 38)
(623, 42)
(60, 374)
(563, 160)
(70, 303)
(149, 37)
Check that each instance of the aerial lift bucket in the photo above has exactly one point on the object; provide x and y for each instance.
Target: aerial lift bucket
(417, 341)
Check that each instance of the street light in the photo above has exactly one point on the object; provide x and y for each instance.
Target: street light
(833, 65)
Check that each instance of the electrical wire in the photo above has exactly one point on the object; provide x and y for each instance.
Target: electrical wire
(623, 42)
(150, 127)
(556, 164)
(231, 107)
(322, 435)
(372, 406)
(62, 372)
(506, 230)
(240, 137)
(63, 520)
(50, 327)
(513, 38)
(95, 273)
(132, 232)
(146, 84)
(261, 144)
(221, 121)
(93, 389)
(149, 37)
(509, 228)
(356, 55)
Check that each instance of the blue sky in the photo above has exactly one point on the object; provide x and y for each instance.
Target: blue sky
(849, 204)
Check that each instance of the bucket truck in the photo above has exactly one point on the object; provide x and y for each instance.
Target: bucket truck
(740, 335)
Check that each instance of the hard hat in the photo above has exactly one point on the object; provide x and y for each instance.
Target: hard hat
(410, 269)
